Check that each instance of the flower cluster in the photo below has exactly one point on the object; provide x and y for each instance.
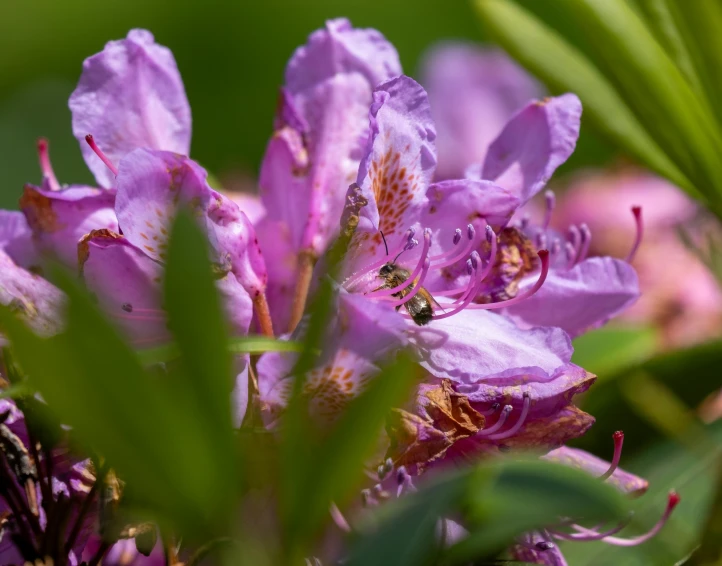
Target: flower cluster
(438, 261)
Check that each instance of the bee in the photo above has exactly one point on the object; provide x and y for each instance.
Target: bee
(419, 306)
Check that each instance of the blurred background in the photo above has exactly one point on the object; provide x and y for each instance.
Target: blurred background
(658, 368)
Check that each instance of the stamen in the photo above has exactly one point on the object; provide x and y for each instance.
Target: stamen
(544, 258)
(637, 211)
(494, 408)
(99, 153)
(471, 233)
(586, 241)
(541, 240)
(550, 201)
(367, 500)
(556, 246)
(571, 253)
(404, 481)
(45, 165)
(581, 537)
(384, 469)
(412, 277)
(618, 442)
(499, 423)
(519, 423)
(524, 222)
(339, 519)
(672, 501)
(457, 236)
(475, 280)
(574, 236)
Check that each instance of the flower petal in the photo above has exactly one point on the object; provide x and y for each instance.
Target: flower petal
(581, 298)
(582, 460)
(474, 344)
(152, 185)
(37, 301)
(129, 96)
(473, 92)
(16, 238)
(59, 219)
(323, 122)
(127, 283)
(535, 141)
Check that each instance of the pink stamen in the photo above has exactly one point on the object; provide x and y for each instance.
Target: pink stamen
(458, 256)
(574, 236)
(417, 287)
(637, 212)
(586, 241)
(519, 423)
(541, 240)
(412, 277)
(556, 246)
(357, 276)
(618, 442)
(672, 502)
(491, 238)
(339, 519)
(99, 153)
(544, 258)
(587, 537)
(494, 408)
(45, 165)
(571, 253)
(550, 201)
(499, 423)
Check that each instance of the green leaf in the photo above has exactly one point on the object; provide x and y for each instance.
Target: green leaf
(564, 68)
(237, 345)
(498, 501)
(655, 89)
(611, 349)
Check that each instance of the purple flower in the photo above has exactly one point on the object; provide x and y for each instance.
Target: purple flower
(320, 132)
(130, 95)
(473, 92)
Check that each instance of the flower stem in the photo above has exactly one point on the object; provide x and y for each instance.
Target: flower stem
(306, 262)
(260, 306)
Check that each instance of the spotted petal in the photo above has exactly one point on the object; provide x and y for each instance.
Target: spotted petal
(130, 95)
(475, 344)
(59, 219)
(582, 460)
(324, 106)
(535, 141)
(152, 185)
(581, 298)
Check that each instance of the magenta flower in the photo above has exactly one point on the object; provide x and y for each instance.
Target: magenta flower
(313, 156)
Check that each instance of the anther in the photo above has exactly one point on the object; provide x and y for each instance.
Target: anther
(519, 423)
(45, 165)
(457, 236)
(452, 256)
(127, 307)
(541, 240)
(475, 259)
(637, 212)
(104, 158)
(618, 442)
(489, 234)
(401, 475)
(556, 246)
(550, 201)
(524, 222)
(586, 235)
(544, 545)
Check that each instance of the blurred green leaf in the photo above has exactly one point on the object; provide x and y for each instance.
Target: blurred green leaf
(691, 374)
(655, 89)
(498, 501)
(237, 345)
(611, 349)
(564, 68)
(15, 391)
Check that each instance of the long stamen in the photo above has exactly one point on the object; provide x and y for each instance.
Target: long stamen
(412, 277)
(672, 501)
(571, 253)
(104, 158)
(519, 423)
(339, 519)
(494, 408)
(550, 201)
(574, 236)
(586, 235)
(637, 212)
(45, 165)
(499, 423)
(407, 243)
(471, 233)
(579, 536)
(618, 442)
(491, 239)
(544, 258)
